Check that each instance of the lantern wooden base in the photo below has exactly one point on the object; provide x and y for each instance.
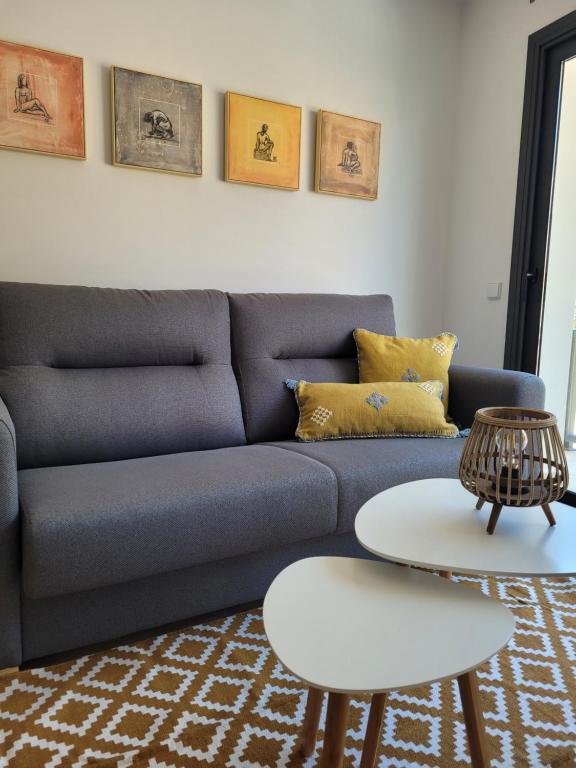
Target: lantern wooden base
(497, 508)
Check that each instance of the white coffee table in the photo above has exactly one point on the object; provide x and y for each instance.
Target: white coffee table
(350, 626)
(435, 524)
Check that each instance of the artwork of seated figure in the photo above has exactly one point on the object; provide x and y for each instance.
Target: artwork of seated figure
(264, 145)
(350, 161)
(160, 125)
(26, 102)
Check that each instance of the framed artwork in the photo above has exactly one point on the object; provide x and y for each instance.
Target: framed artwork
(347, 155)
(262, 142)
(41, 101)
(156, 122)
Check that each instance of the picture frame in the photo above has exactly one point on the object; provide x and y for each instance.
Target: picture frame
(41, 101)
(157, 122)
(347, 155)
(262, 142)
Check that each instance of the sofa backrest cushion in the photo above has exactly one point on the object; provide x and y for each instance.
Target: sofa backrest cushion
(296, 336)
(100, 374)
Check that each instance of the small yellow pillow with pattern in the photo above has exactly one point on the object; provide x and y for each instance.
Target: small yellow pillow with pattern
(392, 358)
(386, 409)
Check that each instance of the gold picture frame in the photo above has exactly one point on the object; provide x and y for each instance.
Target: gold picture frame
(148, 132)
(262, 142)
(347, 155)
(42, 98)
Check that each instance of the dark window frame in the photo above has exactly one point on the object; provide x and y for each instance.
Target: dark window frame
(547, 50)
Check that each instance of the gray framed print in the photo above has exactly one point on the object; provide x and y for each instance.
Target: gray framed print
(156, 122)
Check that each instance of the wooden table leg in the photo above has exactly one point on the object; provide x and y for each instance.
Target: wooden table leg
(335, 734)
(479, 504)
(549, 514)
(474, 719)
(373, 731)
(496, 509)
(311, 721)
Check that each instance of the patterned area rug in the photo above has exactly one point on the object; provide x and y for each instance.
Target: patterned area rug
(214, 695)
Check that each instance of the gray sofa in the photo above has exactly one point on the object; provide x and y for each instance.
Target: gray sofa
(148, 471)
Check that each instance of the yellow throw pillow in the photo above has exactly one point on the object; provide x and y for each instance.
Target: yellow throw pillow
(386, 409)
(392, 358)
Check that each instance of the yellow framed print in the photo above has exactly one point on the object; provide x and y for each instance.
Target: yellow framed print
(347, 155)
(262, 142)
(156, 122)
(41, 101)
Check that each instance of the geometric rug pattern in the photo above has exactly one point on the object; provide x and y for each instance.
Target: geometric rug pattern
(214, 695)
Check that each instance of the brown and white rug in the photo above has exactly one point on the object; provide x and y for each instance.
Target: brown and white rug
(214, 695)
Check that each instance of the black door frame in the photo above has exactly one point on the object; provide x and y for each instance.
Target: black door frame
(547, 50)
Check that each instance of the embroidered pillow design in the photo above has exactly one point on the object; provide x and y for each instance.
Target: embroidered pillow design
(376, 400)
(410, 375)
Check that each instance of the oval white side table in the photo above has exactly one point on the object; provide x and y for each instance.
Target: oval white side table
(435, 524)
(350, 626)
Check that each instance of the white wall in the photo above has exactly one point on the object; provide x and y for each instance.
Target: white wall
(394, 61)
(558, 319)
(490, 97)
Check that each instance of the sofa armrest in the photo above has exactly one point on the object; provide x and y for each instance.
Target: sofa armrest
(10, 629)
(473, 388)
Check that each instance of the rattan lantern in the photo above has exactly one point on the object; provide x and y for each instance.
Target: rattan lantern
(514, 457)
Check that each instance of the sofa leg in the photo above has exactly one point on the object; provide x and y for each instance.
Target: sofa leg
(9, 671)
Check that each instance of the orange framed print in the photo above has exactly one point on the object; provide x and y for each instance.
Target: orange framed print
(41, 101)
(347, 155)
(262, 142)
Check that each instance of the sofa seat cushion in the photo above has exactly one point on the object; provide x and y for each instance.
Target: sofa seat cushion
(93, 525)
(363, 468)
